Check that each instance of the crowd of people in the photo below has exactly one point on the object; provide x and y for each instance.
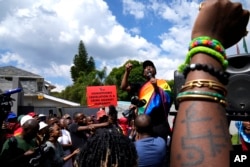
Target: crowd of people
(200, 136)
(52, 141)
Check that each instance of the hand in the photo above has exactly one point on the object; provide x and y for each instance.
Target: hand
(29, 152)
(76, 151)
(128, 67)
(153, 81)
(90, 127)
(221, 20)
(132, 107)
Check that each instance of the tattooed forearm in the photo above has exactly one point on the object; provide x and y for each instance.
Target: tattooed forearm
(215, 136)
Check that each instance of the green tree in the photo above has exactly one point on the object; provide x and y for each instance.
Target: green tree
(85, 80)
(84, 73)
(82, 63)
(90, 64)
(171, 84)
(115, 78)
(101, 76)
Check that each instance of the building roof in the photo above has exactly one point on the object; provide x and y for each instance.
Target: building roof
(55, 99)
(7, 72)
(10, 71)
(61, 100)
(31, 84)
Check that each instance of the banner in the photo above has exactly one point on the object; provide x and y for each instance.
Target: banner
(101, 96)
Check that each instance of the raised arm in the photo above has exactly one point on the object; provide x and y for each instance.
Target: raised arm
(93, 126)
(124, 83)
(201, 136)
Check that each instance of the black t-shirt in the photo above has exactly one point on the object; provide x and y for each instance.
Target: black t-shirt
(135, 88)
(78, 137)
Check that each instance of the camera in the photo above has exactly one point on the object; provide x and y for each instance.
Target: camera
(138, 103)
(6, 102)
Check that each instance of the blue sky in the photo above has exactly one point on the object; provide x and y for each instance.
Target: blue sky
(42, 36)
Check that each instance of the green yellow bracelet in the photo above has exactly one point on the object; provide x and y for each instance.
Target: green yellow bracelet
(203, 49)
(212, 94)
(201, 97)
(208, 45)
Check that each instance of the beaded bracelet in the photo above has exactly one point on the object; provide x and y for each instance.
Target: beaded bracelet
(202, 49)
(212, 94)
(201, 97)
(215, 50)
(219, 74)
(204, 83)
(208, 42)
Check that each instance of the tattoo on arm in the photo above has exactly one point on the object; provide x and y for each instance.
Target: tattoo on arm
(215, 136)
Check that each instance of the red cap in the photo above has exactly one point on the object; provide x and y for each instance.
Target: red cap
(33, 114)
(100, 114)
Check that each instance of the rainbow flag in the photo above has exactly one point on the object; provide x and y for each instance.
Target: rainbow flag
(153, 98)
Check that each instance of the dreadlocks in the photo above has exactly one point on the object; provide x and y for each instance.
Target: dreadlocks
(108, 149)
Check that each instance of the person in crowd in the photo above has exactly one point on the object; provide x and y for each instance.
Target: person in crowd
(113, 121)
(151, 149)
(131, 130)
(123, 123)
(33, 115)
(18, 150)
(11, 125)
(78, 130)
(201, 137)
(42, 117)
(43, 127)
(156, 93)
(18, 131)
(79, 127)
(23, 119)
(101, 116)
(89, 122)
(65, 141)
(54, 155)
(244, 134)
(109, 148)
(68, 118)
(53, 120)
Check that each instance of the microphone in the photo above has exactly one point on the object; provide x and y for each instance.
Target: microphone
(149, 75)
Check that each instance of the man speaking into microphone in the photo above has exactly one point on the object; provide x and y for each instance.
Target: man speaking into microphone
(157, 94)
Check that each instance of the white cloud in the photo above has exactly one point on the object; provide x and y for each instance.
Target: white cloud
(43, 35)
(59, 88)
(11, 57)
(135, 30)
(134, 8)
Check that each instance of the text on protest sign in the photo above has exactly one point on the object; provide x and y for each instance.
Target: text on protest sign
(101, 96)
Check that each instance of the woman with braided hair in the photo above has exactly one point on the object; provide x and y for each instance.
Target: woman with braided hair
(108, 148)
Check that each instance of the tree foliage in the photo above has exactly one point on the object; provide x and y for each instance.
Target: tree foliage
(82, 63)
(115, 77)
(84, 73)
